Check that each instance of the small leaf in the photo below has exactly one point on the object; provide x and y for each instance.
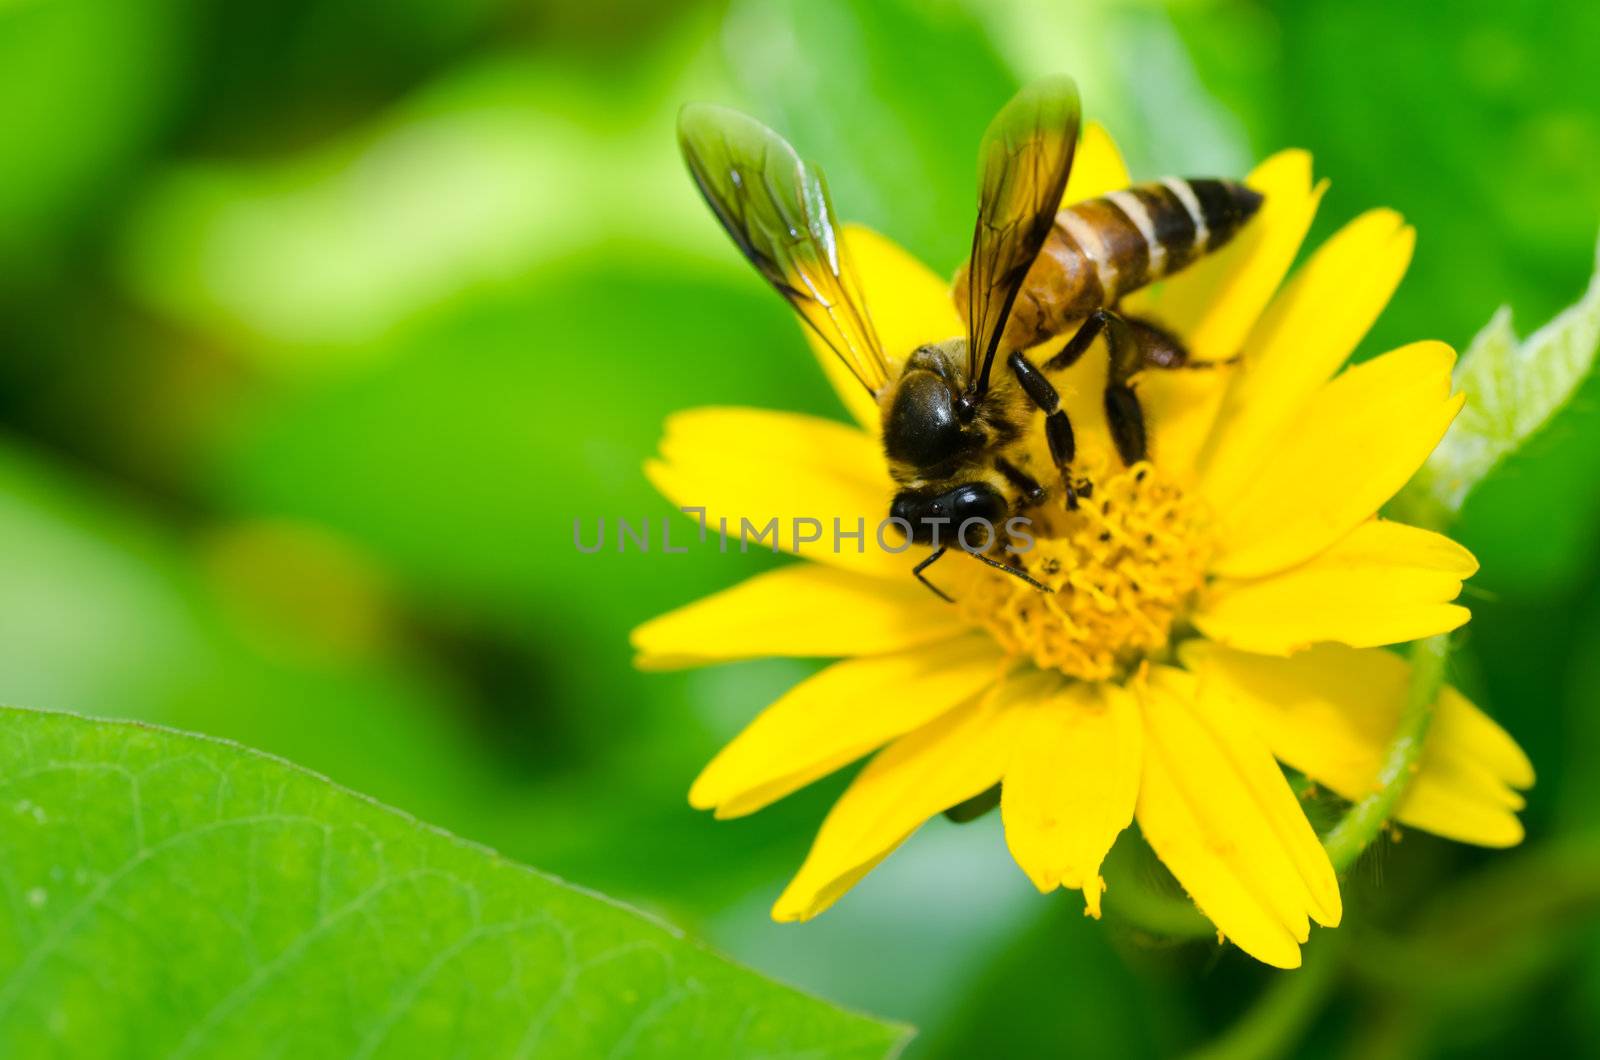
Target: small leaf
(174, 895)
(1514, 389)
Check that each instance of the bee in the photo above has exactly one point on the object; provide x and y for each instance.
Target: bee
(959, 435)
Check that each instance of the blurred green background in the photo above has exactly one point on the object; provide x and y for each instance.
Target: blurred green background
(321, 320)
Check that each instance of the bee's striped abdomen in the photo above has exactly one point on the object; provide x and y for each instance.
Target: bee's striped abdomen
(1102, 250)
(1150, 231)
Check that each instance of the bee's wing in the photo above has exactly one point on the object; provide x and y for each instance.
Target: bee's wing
(1022, 174)
(777, 210)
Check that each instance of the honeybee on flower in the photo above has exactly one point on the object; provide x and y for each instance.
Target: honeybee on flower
(1208, 589)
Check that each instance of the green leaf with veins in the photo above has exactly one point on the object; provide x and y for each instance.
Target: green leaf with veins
(175, 895)
(1514, 389)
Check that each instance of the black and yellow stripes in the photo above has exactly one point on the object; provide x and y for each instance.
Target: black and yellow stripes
(1103, 249)
(1149, 231)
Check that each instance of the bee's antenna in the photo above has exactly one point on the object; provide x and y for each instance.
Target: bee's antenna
(1008, 569)
(996, 564)
(924, 565)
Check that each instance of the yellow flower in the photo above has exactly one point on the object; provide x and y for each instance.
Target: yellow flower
(1219, 607)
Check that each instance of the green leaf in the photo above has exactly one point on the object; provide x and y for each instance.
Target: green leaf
(174, 895)
(1514, 389)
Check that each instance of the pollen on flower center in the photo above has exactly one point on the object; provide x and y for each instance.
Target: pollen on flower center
(1123, 566)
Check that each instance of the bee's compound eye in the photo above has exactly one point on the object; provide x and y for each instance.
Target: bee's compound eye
(922, 428)
(907, 507)
(977, 501)
(934, 517)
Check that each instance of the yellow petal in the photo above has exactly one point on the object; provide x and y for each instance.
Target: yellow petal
(1214, 303)
(1219, 814)
(804, 472)
(909, 305)
(1330, 713)
(1071, 784)
(1307, 333)
(1353, 445)
(1097, 168)
(1385, 583)
(834, 717)
(1275, 799)
(961, 754)
(797, 611)
(1180, 408)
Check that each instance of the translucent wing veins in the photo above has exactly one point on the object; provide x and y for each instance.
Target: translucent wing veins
(1023, 164)
(778, 213)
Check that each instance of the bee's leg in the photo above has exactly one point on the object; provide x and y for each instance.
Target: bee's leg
(1019, 478)
(1080, 342)
(1163, 349)
(1158, 347)
(916, 572)
(1124, 414)
(1057, 428)
(1127, 350)
(1126, 418)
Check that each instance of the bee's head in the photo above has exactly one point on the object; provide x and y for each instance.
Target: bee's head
(933, 515)
(928, 422)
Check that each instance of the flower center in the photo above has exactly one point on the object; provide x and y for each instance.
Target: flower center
(1123, 567)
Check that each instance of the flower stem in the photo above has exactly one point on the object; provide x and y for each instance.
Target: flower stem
(1365, 820)
(1282, 1013)
(1278, 1019)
